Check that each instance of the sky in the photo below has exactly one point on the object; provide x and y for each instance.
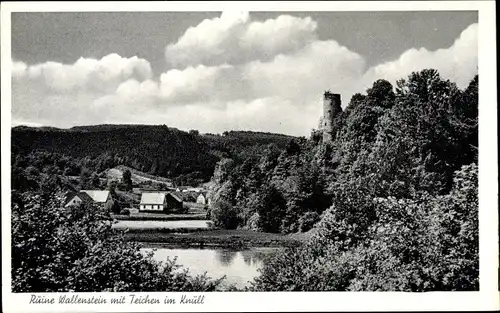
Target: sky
(217, 71)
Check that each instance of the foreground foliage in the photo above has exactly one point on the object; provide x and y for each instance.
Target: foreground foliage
(427, 243)
(55, 249)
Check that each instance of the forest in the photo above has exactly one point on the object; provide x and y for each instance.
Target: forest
(390, 204)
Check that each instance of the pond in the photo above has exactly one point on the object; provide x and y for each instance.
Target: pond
(162, 224)
(239, 266)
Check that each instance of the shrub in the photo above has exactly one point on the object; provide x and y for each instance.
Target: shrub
(307, 221)
(184, 209)
(125, 212)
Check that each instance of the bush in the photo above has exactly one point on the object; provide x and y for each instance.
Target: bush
(306, 268)
(125, 212)
(184, 209)
(253, 222)
(113, 207)
(307, 221)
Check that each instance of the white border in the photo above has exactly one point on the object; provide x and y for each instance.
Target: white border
(486, 299)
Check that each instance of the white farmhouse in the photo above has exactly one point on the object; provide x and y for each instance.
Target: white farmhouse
(201, 199)
(153, 201)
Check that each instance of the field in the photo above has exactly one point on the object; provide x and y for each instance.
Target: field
(161, 217)
(162, 225)
(137, 176)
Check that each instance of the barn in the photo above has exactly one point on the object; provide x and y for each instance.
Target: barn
(174, 202)
(100, 197)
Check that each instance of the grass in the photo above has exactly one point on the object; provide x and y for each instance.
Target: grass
(160, 217)
(163, 230)
(215, 237)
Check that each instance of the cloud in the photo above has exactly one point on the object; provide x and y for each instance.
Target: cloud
(296, 77)
(457, 63)
(19, 69)
(200, 83)
(233, 39)
(262, 114)
(304, 75)
(231, 73)
(280, 95)
(84, 73)
(63, 94)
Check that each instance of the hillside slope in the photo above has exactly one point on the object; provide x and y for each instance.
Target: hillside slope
(116, 173)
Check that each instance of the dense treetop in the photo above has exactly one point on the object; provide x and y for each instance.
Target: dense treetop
(392, 200)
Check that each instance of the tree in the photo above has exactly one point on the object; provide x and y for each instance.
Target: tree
(112, 189)
(417, 146)
(96, 182)
(307, 221)
(271, 209)
(127, 179)
(115, 206)
(194, 132)
(381, 94)
(85, 179)
(224, 215)
(403, 191)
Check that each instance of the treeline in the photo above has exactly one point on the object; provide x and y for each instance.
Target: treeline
(284, 190)
(393, 199)
(186, 157)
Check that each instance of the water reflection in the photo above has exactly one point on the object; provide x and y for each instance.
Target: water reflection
(239, 266)
(247, 258)
(225, 257)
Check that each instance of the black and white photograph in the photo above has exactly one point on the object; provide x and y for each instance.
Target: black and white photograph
(212, 152)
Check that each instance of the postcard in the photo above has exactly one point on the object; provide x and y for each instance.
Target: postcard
(249, 156)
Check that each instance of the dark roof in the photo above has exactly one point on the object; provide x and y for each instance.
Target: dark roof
(69, 195)
(188, 196)
(191, 194)
(178, 196)
(85, 197)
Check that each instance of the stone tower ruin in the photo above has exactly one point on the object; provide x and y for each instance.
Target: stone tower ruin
(331, 109)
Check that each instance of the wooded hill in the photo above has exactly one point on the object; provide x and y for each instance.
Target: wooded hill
(186, 157)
